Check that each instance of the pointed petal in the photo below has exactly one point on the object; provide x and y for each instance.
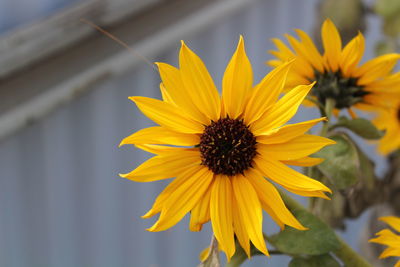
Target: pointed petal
(393, 221)
(266, 93)
(311, 51)
(237, 81)
(303, 55)
(166, 115)
(200, 85)
(165, 150)
(221, 214)
(376, 68)
(166, 193)
(297, 148)
(332, 44)
(161, 135)
(303, 162)
(390, 252)
(288, 132)
(285, 53)
(352, 54)
(166, 97)
(200, 214)
(240, 228)
(163, 167)
(287, 177)
(250, 210)
(184, 198)
(180, 95)
(270, 198)
(282, 111)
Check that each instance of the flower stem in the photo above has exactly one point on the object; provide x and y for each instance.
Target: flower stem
(345, 253)
(329, 106)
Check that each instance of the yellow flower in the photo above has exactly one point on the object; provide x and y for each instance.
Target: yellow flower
(222, 147)
(390, 239)
(388, 119)
(337, 71)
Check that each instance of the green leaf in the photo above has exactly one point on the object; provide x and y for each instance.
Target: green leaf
(341, 162)
(367, 170)
(359, 126)
(325, 260)
(319, 239)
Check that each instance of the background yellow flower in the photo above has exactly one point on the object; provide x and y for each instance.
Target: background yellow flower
(338, 72)
(390, 239)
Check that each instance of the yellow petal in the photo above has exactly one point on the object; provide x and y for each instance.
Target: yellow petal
(165, 194)
(282, 111)
(199, 83)
(352, 54)
(184, 198)
(240, 228)
(164, 150)
(288, 132)
(304, 162)
(274, 63)
(311, 51)
(332, 44)
(266, 93)
(237, 81)
(287, 177)
(221, 214)
(393, 221)
(391, 140)
(250, 211)
(297, 148)
(303, 55)
(285, 52)
(200, 214)
(390, 252)
(180, 95)
(271, 199)
(167, 115)
(376, 68)
(161, 135)
(163, 167)
(166, 97)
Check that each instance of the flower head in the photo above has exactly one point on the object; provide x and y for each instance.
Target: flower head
(221, 148)
(390, 239)
(337, 72)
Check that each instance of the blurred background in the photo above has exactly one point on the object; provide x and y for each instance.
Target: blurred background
(64, 109)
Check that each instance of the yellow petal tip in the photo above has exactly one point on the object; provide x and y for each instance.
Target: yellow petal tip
(183, 45)
(149, 214)
(122, 143)
(122, 175)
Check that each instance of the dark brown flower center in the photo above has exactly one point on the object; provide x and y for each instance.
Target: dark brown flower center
(227, 147)
(344, 91)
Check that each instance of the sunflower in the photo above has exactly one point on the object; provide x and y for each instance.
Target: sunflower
(221, 148)
(388, 119)
(337, 73)
(390, 239)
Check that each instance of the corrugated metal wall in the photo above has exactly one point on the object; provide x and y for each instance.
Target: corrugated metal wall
(61, 200)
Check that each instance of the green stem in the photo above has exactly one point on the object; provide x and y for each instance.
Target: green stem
(329, 106)
(345, 253)
(348, 256)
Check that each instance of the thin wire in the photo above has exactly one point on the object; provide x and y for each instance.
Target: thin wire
(133, 51)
